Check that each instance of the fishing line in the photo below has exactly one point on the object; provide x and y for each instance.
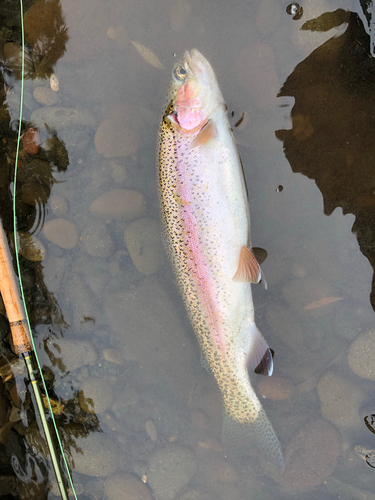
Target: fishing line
(17, 258)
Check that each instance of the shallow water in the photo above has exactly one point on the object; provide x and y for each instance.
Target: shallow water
(120, 359)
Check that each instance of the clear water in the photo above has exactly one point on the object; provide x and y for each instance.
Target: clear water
(306, 98)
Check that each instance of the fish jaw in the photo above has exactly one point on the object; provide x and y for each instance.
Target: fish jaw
(195, 94)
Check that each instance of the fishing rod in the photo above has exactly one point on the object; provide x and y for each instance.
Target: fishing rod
(15, 305)
(21, 337)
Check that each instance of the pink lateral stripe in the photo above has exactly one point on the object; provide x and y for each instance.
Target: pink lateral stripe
(201, 276)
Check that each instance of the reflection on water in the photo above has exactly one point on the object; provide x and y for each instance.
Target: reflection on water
(134, 409)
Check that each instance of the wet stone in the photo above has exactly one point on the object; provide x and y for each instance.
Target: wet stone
(58, 118)
(59, 205)
(169, 470)
(30, 247)
(67, 354)
(142, 239)
(340, 400)
(117, 134)
(146, 324)
(96, 239)
(85, 307)
(311, 455)
(302, 292)
(53, 272)
(215, 469)
(96, 455)
(276, 388)
(126, 487)
(113, 356)
(119, 174)
(61, 232)
(361, 356)
(199, 493)
(31, 141)
(119, 204)
(95, 395)
(45, 96)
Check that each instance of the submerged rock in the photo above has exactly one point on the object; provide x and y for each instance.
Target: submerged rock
(142, 239)
(361, 356)
(85, 306)
(67, 354)
(276, 388)
(340, 400)
(45, 96)
(95, 455)
(30, 246)
(95, 395)
(169, 470)
(119, 204)
(146, 323)
(117, 135)
(126, 487)
(59, 205)
(311, 454)
(96, 239)
(58, 118)
(61, 232)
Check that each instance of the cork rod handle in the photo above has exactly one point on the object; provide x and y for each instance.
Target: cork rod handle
(12, 300)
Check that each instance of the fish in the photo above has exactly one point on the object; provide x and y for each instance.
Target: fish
(206, 231)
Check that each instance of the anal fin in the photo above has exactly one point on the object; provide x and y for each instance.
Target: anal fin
(260, 357)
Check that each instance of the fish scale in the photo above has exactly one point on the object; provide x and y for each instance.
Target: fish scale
(206, 222)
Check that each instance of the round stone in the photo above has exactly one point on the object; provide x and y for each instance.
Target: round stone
(311, 454)
(170, 469)
(30, 246)
(95, 455)
(361, 356)
(126, 487)
(61, 232)
(142, 239)
(59, 205)
(276, 388)
(119, 204)
(45, 96)
(95, 395)
(97, 240)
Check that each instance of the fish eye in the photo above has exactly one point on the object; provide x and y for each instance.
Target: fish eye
(180, 73)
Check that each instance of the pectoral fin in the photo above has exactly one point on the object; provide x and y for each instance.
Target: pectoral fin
(209, 131)
(248, 267)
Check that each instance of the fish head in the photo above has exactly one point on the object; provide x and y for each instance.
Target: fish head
(195, 92)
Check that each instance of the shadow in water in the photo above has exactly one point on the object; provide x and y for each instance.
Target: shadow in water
(332, 137)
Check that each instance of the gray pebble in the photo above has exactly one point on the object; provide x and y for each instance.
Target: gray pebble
(45, 96)
(169, 470)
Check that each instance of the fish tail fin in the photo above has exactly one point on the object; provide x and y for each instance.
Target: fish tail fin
(239, 438)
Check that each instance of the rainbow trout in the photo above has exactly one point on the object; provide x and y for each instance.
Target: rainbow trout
(206, 225)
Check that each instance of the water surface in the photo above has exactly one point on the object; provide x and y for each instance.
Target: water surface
(120, 358)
